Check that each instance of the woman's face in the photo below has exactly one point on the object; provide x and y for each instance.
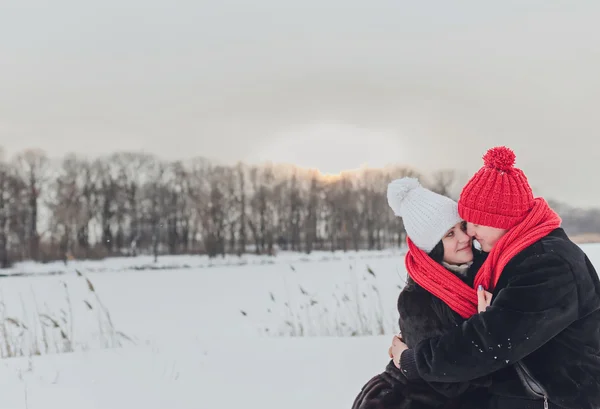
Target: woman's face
(457, 245)
(485, 235)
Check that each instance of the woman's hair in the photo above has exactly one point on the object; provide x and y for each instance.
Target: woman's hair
(445, 314)
(437, 253)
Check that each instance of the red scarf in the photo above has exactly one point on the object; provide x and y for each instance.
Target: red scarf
(445, 285)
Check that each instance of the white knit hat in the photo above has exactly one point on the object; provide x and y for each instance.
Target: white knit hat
(427, 216)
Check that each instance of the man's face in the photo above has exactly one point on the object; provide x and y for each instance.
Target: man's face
(485, 235)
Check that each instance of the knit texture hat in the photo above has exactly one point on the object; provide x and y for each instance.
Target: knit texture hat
(498, 195)
(427, 216)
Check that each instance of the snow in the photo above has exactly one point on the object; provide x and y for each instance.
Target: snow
(269, 373)
(145, 262)
(208, 334)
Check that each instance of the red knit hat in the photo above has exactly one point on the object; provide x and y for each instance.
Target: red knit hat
(498, 195)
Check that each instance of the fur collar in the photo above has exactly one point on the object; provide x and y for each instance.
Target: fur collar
(460, 270)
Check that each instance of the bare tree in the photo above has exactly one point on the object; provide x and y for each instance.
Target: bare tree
(295, 214)
(311, 220)
(371, 192)
(177, 207)
(133, 171)
(242, 203)
(108, 195)
(444, 183)
(67, 205)
(331, 213)
(87, 183)
(32, 166)
(181, 222)
(353, 213)
(6, 207)
(198, 186)
(215, 214)
(261, 218)
(154, 203)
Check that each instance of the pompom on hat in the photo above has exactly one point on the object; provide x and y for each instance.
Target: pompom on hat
(427, 216)
(499, 194)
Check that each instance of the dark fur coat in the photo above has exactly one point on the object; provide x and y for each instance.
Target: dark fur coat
(422, 315)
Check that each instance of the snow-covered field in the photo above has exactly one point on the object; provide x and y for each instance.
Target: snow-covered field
(200, 333)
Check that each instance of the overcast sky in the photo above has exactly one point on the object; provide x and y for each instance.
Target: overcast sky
(332, 84)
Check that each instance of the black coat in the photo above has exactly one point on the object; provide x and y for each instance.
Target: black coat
(423, 315)
(540, 339)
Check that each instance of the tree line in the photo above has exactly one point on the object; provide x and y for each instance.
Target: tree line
(131, 203)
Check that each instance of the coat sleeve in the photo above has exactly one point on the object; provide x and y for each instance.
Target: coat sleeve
(539, 302)
(418, 322)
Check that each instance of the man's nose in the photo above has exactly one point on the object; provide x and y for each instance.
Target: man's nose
(470, 229)
(462, 236)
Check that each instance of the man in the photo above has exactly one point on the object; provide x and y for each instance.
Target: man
(540, 338)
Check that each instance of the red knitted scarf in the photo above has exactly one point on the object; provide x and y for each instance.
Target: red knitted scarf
(445, 285)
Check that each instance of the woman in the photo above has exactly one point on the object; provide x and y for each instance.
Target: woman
(433, 225)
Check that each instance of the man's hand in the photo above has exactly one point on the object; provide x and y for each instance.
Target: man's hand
(395, 351)
(484, 299)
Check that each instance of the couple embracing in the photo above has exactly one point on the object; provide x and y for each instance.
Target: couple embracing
(514, 325)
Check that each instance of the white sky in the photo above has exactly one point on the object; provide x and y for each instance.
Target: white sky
(330, 84)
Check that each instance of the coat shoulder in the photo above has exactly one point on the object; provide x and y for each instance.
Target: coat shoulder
(422, 315)
(556, 244)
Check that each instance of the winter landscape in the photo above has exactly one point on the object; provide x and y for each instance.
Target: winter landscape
(193, 208)
(276, 330)
(255, 331)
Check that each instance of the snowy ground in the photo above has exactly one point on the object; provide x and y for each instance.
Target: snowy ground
(207, 335)
(186, 262)
(268, 373)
